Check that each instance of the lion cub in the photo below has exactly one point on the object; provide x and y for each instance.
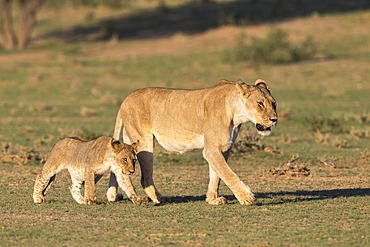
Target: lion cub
(87, 161)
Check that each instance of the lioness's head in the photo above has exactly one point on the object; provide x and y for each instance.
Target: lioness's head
(125, 156)
(260, 105)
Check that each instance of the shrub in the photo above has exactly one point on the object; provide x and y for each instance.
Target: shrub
(275, 48)
(324, 124)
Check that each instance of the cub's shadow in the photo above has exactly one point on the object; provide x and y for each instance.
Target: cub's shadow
(273, 198)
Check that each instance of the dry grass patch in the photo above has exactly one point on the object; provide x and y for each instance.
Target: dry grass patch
(20, 155)
(290, 169)
(253, 143)
(329, 162)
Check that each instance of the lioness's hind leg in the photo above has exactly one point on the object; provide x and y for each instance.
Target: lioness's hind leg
(112, 194)
(146, 164)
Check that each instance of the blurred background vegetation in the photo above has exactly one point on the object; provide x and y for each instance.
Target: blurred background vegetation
(156, 18)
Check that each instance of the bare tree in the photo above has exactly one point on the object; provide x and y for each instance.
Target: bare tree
(17, 35)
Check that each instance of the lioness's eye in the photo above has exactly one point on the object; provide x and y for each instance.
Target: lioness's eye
(124, 160)
(261, 104)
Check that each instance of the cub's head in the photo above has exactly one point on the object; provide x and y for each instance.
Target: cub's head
(260, 106)
(124, 155)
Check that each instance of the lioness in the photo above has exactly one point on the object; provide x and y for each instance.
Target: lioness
(87, 161)
(183, 120)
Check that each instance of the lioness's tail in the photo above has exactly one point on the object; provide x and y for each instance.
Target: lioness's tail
(118, 126)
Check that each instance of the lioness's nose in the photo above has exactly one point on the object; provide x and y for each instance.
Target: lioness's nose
(274, 120)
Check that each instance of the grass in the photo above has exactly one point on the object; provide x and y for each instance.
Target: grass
(76, 88)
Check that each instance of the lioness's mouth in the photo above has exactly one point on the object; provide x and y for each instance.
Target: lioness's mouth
(260, 127)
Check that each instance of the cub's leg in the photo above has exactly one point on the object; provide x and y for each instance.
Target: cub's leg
(90, 192)
(48, 186)
(44, 181)
(75, 190)
(97, 178)
(124, 182)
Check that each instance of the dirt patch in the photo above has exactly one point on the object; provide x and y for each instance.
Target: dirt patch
(251, 143)
(19, 155)
(29, 56)
(290, 169)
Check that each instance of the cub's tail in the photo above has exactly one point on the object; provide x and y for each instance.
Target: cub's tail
(118, 126)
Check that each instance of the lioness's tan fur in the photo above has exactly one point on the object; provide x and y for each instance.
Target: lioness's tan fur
(87, 161)
(183, 120)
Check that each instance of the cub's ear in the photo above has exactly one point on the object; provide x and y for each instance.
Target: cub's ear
(134, 146)
(239, 85)
(116, 145)
(262, 83)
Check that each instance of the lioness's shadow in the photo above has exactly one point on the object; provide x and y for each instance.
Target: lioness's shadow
(286, 196)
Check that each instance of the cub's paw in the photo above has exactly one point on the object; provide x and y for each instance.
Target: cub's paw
(139, 200)
(38, 199)
(90, 201)
(217, 201)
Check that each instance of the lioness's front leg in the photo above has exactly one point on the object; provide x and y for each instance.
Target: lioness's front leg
(214, 183)
(212, 193)
(217, 162)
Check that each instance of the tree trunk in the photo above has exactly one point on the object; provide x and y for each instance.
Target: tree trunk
(20, 37)
(26, 20)
(7, 37)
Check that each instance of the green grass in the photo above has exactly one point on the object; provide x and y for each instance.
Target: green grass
(321, 103)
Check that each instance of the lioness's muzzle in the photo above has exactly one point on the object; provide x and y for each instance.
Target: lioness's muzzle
(262, 128)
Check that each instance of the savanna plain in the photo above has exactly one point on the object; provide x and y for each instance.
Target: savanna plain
(310, 176)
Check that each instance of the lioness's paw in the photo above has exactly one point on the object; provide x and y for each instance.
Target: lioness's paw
(90, 201)
(217, 201)
(38, 199)
(139, 200)
(246, 199)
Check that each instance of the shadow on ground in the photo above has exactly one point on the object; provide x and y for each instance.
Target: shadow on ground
(195, 17)
(287, 197)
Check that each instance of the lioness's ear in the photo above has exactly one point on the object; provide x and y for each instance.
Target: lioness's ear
(116, 145)
(261, 83)
(239, 85)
